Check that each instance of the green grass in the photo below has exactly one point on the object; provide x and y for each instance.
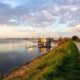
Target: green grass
(59, 64)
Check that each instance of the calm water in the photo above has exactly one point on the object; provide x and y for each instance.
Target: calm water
(14, 54)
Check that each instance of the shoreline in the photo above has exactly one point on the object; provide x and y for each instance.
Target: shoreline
(5, 75)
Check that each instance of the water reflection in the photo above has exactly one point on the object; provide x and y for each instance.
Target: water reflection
(13, 55)
(31, 49)
(44, 49)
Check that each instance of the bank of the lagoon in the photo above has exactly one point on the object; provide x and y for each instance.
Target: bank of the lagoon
(60, 63)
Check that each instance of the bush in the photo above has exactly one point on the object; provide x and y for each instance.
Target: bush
(75, 38)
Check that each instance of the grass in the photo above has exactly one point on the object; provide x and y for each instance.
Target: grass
(60, 63)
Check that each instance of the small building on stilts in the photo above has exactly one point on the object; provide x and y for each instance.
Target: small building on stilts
(44, 42)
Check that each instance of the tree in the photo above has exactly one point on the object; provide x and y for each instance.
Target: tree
(75, 38)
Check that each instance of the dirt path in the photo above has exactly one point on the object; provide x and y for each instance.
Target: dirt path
(78, 45)
(78, 74)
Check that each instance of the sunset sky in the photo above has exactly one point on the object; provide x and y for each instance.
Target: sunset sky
(33, 18)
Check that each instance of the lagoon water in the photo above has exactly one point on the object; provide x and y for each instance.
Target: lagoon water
(14, 54)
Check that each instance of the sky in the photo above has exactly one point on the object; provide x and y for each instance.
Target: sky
(39, 18)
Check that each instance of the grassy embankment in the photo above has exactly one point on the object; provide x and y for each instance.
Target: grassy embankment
(59, 64)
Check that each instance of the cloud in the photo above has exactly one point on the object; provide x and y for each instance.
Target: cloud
(17, 31)
(13, 3)
(51, 14)
(45, 13)
(73, 29)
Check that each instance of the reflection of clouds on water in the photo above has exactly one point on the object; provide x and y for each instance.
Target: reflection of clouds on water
(30, 44)
(5, 47)
(14, 55)
(30, 49)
